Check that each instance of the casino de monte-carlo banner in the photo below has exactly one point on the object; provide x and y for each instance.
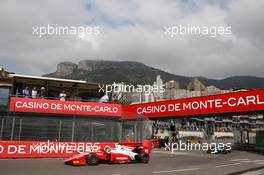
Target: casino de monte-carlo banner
(243, 101)
(63, 107)
(37, 149)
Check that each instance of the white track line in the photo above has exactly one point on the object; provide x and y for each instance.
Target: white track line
(178, 170)
(233, 164)
(252, 161)
(260, 163)
(235, 160)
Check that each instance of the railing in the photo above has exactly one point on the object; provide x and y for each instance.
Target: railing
(58, 98)
(31, 128)
(74, 129)
(245, 147)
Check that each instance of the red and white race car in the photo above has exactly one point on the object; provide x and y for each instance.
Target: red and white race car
(118, 154)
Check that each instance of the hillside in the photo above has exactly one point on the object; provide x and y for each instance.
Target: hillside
(137, 73)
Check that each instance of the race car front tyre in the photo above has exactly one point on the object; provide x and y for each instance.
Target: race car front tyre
(67, 163)
(144, 157)
(92, 159)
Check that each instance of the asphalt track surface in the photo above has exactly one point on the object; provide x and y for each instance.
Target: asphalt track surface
(161, 163)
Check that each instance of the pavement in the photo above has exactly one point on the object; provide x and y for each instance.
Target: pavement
(161, 163)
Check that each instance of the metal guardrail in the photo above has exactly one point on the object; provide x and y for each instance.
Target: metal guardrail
(245, 147)
(57, 98)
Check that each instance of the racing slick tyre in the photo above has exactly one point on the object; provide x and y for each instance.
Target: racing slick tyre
(92, 159)
(224, 152)
(144, 157)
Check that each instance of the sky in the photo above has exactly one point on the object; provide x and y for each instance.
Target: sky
(134, 30)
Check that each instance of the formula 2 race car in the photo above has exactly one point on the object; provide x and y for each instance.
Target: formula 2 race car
(118, 154)
(219, 150)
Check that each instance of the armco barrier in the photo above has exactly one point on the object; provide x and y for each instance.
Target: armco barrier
(30, 149)
(245, 147)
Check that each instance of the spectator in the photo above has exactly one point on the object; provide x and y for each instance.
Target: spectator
(104, 99)
(127, 138)
(172, 131)
(34, 92)
(42, 92)
(26, 92)
(132, 137)
(63, 96)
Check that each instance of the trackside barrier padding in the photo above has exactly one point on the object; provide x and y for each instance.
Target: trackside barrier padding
(30, 149)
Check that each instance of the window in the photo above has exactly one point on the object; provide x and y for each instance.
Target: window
(4, 95)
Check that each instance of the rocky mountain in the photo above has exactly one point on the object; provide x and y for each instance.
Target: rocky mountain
(131, 72)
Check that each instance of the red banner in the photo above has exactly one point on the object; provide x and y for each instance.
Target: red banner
(63, 107)
(221, 103)
(29, 149)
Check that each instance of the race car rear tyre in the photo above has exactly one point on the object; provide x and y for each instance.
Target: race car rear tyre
(144, 157)
(92, 159)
